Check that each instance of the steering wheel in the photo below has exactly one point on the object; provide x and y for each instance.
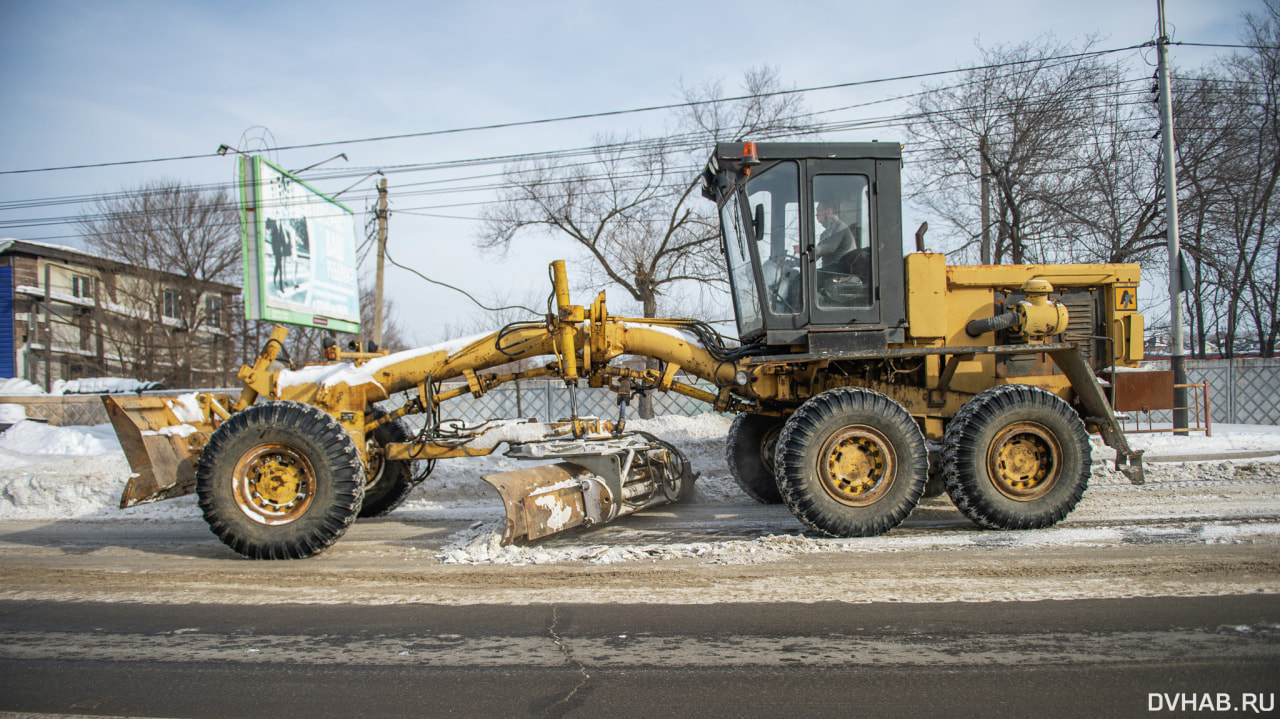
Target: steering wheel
(786, 266)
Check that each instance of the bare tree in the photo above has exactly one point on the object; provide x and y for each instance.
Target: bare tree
(183, 242)
(1111, 208)
(633, 207)
(1227, 120)
(1258, 73)
(1018, 122)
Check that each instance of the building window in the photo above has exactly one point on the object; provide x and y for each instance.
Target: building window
(169, 304)
(213, 311)
(82, 286)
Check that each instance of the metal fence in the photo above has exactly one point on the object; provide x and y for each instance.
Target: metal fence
(546, 400)
(549, 400)
(1241, 391)
(62, 411)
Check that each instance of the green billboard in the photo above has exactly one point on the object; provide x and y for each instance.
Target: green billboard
(299, 251)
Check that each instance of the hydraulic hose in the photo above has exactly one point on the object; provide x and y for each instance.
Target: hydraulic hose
(977, 328)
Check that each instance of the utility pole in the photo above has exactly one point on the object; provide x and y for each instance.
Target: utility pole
(1178, 357)
(382, 252)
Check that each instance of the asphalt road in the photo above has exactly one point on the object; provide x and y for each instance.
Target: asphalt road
(1046, 659)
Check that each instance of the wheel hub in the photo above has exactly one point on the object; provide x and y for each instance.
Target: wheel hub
(273, 484)
(1025, 461)
(856, 466)
(768, 446)
(376, 465)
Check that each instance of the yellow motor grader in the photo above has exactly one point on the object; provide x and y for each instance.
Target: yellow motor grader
(861, 379)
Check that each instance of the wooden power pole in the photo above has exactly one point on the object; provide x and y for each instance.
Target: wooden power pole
(382, 252)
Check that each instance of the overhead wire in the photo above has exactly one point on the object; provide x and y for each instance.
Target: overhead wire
(592, 115)
(685, 141)
(468, 295)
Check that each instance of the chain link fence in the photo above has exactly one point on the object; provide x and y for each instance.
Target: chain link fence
(546, 400)
(549, 400)
(1241, 391)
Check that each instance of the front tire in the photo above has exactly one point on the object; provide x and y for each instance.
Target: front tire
(280, 480)
(1016, 457)
(851, 463)
(750, 452)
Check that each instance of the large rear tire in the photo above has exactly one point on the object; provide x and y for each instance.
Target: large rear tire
(280, 480)
(750, 451)
(1016, 457)
(851, 463)
(387, 483)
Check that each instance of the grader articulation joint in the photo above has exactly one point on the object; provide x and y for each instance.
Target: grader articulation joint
(850, 359)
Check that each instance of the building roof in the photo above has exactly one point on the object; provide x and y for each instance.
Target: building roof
(10, 246)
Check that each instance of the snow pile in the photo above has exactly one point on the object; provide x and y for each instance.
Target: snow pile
(702, 426)
(16, 386)
(37, 438)
(102, 385)
(11, 414)
(481, 544)
(59, 472)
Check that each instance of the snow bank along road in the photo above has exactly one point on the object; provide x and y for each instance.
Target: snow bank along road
(1195, 529)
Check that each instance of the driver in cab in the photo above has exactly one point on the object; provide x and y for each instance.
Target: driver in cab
(836, 242)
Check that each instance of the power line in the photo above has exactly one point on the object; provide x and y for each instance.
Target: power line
(682, 142)
(1228, 45)
(596, 115)
(468, 295)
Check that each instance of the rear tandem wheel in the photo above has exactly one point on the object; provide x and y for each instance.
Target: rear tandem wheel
(851, 463)
(1016, 457)
(280, 480)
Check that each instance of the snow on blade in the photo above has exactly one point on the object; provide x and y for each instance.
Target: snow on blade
(186, 408)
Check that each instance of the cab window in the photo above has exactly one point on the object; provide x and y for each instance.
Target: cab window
(842, 247)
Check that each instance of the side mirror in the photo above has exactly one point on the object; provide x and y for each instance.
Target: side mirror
(757, 223)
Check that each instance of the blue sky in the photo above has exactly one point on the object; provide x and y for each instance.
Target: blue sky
(93, 82)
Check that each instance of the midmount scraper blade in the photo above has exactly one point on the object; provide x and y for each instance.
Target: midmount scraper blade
(540, 501)
(603, 478)
(157, 445)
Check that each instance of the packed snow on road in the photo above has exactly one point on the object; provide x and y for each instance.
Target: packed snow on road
(1199, 489)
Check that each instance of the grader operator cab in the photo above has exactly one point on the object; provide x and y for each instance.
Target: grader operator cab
(812, 237)
(857, 377)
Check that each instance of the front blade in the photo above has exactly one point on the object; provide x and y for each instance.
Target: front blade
(162, 459)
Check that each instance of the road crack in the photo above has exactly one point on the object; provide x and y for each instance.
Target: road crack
(569, 659)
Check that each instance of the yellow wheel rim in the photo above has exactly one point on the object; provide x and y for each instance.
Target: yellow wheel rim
(273, 484)
(857, 466)
(1025, 461)
(376, 465)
